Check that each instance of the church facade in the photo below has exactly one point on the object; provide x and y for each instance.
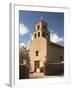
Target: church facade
(42, 50)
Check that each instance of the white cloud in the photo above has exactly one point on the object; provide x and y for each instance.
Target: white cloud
(31, 37)
(23, 29)
(22, 44)
(51, 31)
(56, 39)
(26, 45)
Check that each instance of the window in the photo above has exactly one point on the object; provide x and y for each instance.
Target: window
(44, 26)
(37, 53)
(38, 34)
(47, 35)
(43, 34)
(38, 27)
(61, 58)
(35, 35)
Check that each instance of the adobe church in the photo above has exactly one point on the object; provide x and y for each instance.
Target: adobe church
(42, 50)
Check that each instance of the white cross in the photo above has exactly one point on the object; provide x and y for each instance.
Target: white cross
(41, 18)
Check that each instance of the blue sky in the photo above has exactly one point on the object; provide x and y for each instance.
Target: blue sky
(28, 19)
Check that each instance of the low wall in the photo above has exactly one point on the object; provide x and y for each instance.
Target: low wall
(54, 69)
(23, 72)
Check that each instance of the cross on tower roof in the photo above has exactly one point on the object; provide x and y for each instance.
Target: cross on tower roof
(41, 18)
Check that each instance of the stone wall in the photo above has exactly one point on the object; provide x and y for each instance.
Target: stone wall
(54, 69)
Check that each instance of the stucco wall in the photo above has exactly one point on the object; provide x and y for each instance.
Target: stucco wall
(54, 53)
(38, 44)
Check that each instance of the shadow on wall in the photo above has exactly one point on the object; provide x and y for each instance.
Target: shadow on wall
(23, 72)
(54, 69)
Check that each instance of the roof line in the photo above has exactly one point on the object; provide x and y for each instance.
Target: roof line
(52, 43)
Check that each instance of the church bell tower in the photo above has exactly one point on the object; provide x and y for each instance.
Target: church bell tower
(38, 48)
(42, 27)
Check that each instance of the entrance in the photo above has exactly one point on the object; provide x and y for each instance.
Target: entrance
(37, 66)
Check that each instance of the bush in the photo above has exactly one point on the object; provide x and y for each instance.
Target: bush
(23, 72)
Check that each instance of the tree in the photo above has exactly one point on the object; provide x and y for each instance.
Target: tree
(23, 56)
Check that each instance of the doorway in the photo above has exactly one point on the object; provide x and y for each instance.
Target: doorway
(37, 66)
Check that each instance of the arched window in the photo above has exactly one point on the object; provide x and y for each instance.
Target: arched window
(44, 26)
(47, 35)
(35, 35)
(38, 34)
(43, 34)
(38, 26)
(37, 53)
